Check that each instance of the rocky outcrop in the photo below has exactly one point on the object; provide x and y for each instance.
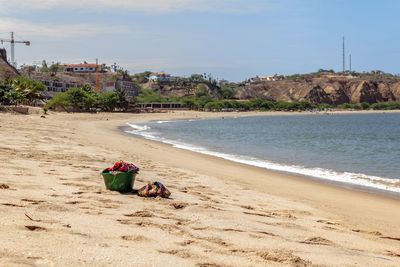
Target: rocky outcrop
(386, 92)
(365, 92)
(313, 90)
(278, 91)
(318, 95)
(337, 93)
(325, 91)
(6, 70)
(395, 89)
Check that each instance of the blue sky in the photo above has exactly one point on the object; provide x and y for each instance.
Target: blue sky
(231, 39)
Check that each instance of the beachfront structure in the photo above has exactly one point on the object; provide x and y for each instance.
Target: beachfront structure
(128, 86)
(57, 86)
(160, 77)
(81, 68)
(160, 105)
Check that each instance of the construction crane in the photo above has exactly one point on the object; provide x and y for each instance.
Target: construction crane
(12, 41)
(97, 77)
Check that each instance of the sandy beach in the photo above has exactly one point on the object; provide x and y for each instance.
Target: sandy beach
(55, 210)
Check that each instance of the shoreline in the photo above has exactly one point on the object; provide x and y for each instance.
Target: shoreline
(374, 184)
(220, 213)
(299, 180)
(338, 184)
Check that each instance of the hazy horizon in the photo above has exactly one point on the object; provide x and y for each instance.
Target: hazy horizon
(234, 40)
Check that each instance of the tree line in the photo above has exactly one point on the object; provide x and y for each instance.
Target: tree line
(85, 99)
(22, 90)
(26, 91)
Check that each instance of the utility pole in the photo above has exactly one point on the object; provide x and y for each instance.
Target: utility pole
(343, 54)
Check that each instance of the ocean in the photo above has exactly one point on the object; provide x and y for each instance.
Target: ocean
(356, 149)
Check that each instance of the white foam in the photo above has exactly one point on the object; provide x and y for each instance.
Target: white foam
(325, 174)
(161, 122)
(139, 127)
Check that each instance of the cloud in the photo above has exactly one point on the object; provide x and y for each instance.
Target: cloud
(158, 6)
(26, 28)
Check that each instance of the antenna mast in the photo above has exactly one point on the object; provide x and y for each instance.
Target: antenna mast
(350, 62)
(344, 59)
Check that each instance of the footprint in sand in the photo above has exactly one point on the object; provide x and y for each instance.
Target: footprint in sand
(4, 186)
(178, 252)
(208, 265)
(391, 238)
(392, 253)
(317, 241)
(33, 202)
(186, 242)
(35, 228)
(179, 205)
(258, 214)
(284, 257)
(140, 213)
(12, 205)
(214, 240)
(367, 232)
(232, 230)
(74, 202)
(328, 222)
(137, 238)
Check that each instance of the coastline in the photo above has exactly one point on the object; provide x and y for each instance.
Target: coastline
(279, 219)
(339, 184)
(358, 181)
(300, 181)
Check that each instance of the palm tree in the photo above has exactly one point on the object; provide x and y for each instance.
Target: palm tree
(30, 89)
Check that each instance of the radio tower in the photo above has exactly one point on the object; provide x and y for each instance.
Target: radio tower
(350, 62)
(344, 56)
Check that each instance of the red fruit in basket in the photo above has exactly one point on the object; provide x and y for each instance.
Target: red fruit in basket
(132, 167)
(117, 165)
(123, 168)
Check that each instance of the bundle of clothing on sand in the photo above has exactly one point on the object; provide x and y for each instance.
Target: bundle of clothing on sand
(121, 177)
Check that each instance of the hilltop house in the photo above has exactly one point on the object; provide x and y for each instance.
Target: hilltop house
(81, 68)
(255, 79)
(223, 82)
(160, 77)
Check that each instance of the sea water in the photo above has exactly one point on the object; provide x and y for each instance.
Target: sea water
(358, 149)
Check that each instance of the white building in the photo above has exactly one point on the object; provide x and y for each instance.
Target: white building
(81, 68)
(160, 77)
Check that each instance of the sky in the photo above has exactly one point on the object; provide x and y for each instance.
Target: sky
(231, 39)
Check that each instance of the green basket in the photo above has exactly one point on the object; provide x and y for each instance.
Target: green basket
(119, 181)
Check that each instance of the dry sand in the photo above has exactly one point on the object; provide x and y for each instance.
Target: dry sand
(55, 211)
